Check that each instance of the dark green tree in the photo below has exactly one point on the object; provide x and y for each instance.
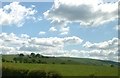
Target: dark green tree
(32, 54)
(21, 55)
(39, 61)
(15, 59)
(3, 60)
(33, 61)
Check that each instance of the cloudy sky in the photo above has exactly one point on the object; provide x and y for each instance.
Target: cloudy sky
(69, 28)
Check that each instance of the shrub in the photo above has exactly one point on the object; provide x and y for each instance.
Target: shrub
(53, 74)
(111, 65)
(24, 73)
(53, 62)
(92, 76)
(11, 73)
(3, 60)
(37, 74)
(39, 61)
(62, 63)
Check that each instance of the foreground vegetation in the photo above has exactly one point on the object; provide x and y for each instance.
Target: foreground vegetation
(25, 73)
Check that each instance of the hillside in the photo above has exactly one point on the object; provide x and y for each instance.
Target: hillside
(67, 60)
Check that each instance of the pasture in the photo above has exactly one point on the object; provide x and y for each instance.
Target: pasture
(66, 69)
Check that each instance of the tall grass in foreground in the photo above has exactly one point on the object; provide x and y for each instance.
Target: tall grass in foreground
(24, 73)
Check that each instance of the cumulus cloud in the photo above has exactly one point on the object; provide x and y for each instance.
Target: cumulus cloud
(88, 13)
(54, 41)
(42, 33)
(117, 27)
(110, 44)
(16, 14)
(52, 29)
(7, 50)
(94, 54)
(25, 36)
(12, 43)
(54, 46)
(64, 30)
(104, 50)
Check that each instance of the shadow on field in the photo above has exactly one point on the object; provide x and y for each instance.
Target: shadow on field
(21, 73)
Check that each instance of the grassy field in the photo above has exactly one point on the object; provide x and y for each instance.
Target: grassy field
(63, 66)
(68, 60)
(67, 70)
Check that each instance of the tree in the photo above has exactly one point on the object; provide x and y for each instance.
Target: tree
(32, 54)
(26, 60)
(62, 63)
(3, 60)
(21, 55)
(39, 61)
(33, 61)
(111, 65)
(15, 59)
(37, 55)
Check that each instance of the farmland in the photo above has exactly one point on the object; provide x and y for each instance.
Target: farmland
(57, 66)
(66, 69)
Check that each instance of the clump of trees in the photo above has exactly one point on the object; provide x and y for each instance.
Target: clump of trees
(32, 58)
(4, 60)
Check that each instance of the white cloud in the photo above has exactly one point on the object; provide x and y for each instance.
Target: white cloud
(94, 54)
(7, 50)
(117, 27)
(26, 44)
(104, 50)
(54, 41)
(25, 36)
(110, 44)
(42, 33)
(54, 46)
(64, 31)
(15, 14)
(88, 13)
(52, 29)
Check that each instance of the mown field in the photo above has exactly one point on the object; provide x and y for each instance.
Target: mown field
(66, 69)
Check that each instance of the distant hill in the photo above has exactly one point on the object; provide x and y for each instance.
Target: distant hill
(68, 60)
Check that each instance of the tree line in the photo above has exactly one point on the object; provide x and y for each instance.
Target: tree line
(32, 58)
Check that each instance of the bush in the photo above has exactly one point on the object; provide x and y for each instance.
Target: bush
(23, 73)
(3, 60)
(62, 63)
(92, 76)
(53, 74)
(11, 73)
(111, 65)
(53, 62)
(37, 74)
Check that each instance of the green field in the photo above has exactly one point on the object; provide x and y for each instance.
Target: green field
(68, 70)
(70, 66)
(67, 60)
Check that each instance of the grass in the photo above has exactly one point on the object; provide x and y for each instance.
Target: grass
(67, 60)
(66, 69)
(63, 66)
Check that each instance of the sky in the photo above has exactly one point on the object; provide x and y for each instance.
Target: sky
(62, 28)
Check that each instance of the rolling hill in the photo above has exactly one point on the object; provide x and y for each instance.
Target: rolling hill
(69, 60)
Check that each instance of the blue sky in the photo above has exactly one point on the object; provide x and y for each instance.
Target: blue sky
(96, 29)
(94, 34)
